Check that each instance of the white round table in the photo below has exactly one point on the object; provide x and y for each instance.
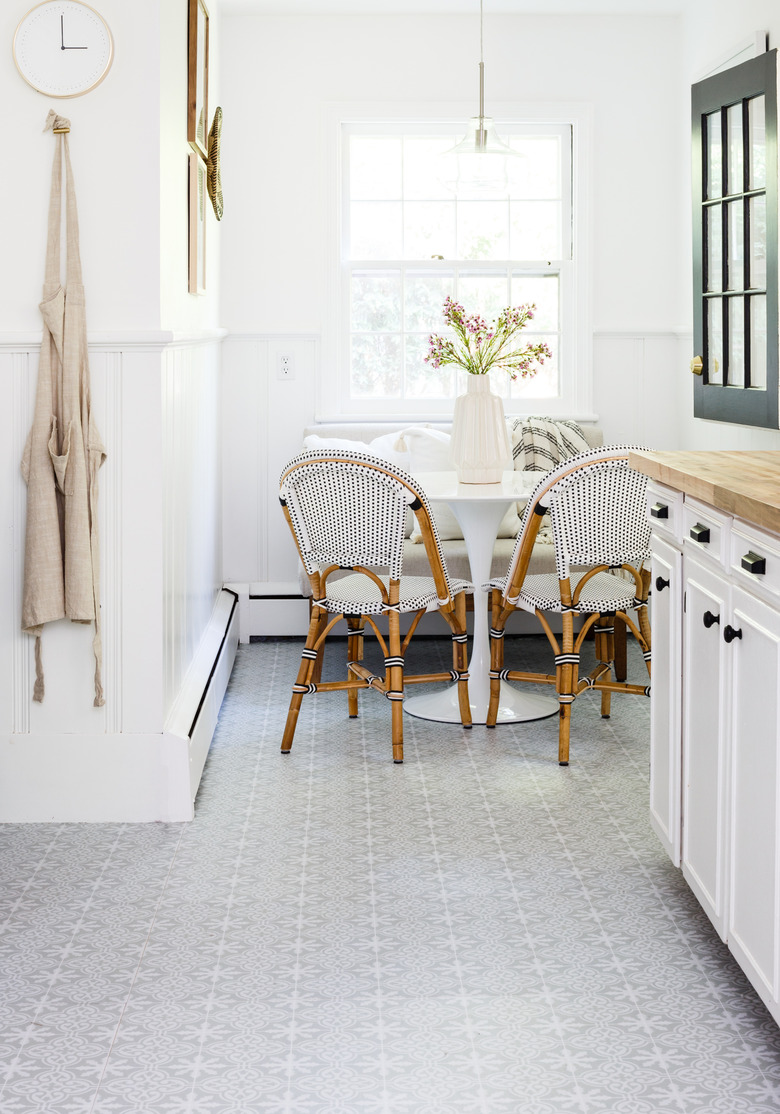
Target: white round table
(479, 509)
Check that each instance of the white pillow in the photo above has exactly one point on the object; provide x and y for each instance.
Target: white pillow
(429, 450)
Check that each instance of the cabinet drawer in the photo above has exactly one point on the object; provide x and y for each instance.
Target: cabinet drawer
(706, 530)
(755, 559)
(664, 510)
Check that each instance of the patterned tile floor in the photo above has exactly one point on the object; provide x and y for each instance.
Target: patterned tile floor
(475, 932)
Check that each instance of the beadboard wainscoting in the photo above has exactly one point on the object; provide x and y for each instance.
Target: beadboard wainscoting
(264, 417)
(169, 630)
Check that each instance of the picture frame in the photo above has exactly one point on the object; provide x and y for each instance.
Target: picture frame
(198, 203)
(198, 77)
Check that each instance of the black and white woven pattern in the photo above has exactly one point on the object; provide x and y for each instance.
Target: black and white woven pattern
(597, 491)
(349, 508)
(539, 444)
(603, 592)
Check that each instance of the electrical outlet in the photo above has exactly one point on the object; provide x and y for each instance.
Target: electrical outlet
(286, 369)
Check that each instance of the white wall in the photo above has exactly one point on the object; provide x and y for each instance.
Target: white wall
(155, 360)
(280, 73)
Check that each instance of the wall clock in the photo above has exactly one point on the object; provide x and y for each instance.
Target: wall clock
(63, 48)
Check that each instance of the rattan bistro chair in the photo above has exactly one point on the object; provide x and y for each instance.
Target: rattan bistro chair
(599, 524)
(347, 511)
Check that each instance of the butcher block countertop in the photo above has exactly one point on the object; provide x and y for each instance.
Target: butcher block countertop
(745, 484)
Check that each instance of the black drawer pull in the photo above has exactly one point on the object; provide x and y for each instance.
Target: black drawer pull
(751, 562)
(729, 634)
(700, 533)
(659, 510)
(660, 584)
(709, 619)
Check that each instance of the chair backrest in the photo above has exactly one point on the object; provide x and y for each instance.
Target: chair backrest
(349, 508)
(597, 510)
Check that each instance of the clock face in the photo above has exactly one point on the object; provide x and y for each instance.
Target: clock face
(63, 48)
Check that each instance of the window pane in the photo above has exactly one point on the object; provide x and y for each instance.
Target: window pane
(376, 230)
(714, 241)
(542, 292)
(736, 372)
(376, 301)
(423, 380)
(757, 143)
(714, 156)
(422, 180)
(714, 340)
(374, 167)
(736, 235)
(424, 301)
(538, 173)
(483, 294)
(429, 229)
(546, 382)
(736, 180)
(757, 216)
(483, 230)
(535, 230)
(375, 366)
(758, 341)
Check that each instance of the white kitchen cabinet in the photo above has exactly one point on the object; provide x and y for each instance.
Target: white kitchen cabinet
(714, 790)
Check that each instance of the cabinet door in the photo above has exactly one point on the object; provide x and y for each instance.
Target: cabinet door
(705, 730)
(754, 855)
(665, 697)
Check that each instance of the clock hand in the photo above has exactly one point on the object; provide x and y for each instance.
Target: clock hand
(62, 32)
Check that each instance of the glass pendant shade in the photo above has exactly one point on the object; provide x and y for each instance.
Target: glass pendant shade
(476, 167)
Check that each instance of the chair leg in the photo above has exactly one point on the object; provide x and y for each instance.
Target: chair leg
(394, 680)
(354, 653)
(605, 654)
(305, 671)
(496, 658)
(460, 658)
(566, 675)
(621, 658)
(316, 675)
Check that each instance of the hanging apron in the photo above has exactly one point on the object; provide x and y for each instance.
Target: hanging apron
(64, 451)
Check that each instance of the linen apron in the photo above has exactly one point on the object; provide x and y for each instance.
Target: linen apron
(64, 451)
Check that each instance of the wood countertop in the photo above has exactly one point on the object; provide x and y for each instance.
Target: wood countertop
(745, 484)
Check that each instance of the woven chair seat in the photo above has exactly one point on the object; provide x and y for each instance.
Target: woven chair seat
(357, 594)
(603, 592)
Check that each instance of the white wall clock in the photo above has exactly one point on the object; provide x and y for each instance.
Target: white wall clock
(63, 48)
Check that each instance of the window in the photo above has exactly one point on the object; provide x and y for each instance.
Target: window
(735, 244)
(406, 242)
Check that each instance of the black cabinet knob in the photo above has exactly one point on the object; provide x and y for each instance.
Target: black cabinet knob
(660, 584)
(729, 634)
(700, 533)
(709, 619)
(659, 510)
(751, 562)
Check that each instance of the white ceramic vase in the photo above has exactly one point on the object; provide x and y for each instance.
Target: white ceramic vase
(480, 450)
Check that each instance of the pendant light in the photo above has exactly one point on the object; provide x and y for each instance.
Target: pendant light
(477, 166)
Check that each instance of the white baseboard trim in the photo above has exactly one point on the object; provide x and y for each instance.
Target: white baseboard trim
(123, 777)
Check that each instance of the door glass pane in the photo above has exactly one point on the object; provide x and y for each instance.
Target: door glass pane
(376, 301)
(714, 340)
(736, 245)
(714, 156)
(757, 143)
(714, 241)
(758, 341)
(736, 370)
(757, 216)
(735, 148)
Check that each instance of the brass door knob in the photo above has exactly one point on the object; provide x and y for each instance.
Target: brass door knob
(697, 365)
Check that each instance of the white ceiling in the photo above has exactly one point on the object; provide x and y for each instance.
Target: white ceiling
(420, 7)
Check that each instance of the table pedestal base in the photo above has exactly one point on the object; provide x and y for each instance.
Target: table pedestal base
(514, 706)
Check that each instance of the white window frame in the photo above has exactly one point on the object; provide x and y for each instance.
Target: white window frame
(576, 398)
